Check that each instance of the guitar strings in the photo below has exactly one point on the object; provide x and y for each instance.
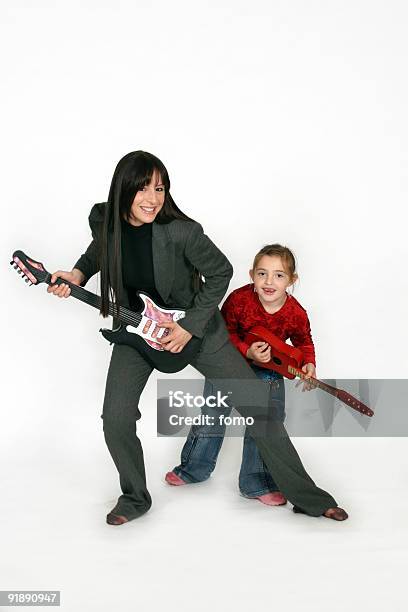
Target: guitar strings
(125, 315)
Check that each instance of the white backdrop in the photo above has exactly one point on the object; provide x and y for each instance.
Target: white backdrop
(278, 122)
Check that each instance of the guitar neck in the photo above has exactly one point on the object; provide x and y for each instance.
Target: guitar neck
(83, 295)
(314, 382)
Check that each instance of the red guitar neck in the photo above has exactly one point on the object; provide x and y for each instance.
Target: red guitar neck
(314, 382)
(343, 396)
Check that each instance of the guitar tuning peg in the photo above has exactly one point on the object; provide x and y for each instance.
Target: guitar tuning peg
(26, 280)
(19, 271)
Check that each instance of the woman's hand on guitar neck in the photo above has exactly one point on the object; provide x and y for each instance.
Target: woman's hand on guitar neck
(75, 277)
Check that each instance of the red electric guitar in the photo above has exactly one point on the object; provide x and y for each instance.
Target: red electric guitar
(287, 360)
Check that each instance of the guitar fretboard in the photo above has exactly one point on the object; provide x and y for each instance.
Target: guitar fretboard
(341, 395)
(314, 382)
(125, 315)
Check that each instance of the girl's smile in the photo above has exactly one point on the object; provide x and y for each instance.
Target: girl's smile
(268, 291)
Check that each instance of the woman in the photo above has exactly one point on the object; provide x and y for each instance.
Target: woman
(140, 222)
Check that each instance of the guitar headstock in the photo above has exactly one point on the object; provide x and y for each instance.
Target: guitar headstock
(354, 403)
(32, 271)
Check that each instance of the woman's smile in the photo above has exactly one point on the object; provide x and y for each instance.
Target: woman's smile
(148, 210)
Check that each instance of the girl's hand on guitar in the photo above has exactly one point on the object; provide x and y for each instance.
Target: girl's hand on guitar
(259, 351)
(310, 370)
(176, 339)
(75, 277)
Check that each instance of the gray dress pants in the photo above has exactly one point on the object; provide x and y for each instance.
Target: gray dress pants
(229, 372)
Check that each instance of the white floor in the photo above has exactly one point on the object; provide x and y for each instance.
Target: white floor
(203, 546)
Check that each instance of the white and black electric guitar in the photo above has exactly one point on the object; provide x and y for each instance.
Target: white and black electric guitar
(140, 330)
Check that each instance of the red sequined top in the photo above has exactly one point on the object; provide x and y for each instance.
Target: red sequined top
(242, 310)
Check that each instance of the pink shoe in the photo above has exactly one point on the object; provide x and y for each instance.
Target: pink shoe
(172, 479)
(272, 499)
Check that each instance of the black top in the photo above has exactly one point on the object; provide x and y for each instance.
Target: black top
(137, 263)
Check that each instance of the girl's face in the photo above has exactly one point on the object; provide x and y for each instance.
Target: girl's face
(148, 201)
(271, 279)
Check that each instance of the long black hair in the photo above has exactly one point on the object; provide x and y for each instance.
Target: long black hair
(133, 172)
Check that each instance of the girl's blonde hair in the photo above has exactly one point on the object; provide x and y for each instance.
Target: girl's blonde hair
(283, 252)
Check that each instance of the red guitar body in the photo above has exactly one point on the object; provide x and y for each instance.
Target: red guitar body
(282, 355)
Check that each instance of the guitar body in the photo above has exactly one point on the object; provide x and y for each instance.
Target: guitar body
(283, 356)
(162, 360)
(143, 337)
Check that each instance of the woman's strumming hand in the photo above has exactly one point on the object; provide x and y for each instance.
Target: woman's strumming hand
(177, 338)
(75, 277)
(259, 351)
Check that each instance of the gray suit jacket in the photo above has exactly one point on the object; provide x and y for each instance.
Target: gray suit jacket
(178, 247)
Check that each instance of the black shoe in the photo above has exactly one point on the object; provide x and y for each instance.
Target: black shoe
(116, 519)
(338, 514)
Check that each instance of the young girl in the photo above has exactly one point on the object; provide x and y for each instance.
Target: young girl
(264, 302)
(142, 241)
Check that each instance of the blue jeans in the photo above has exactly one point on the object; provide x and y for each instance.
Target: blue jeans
(203, 443)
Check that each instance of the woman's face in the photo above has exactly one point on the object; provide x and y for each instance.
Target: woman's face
(271, 279)
(148, 201)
